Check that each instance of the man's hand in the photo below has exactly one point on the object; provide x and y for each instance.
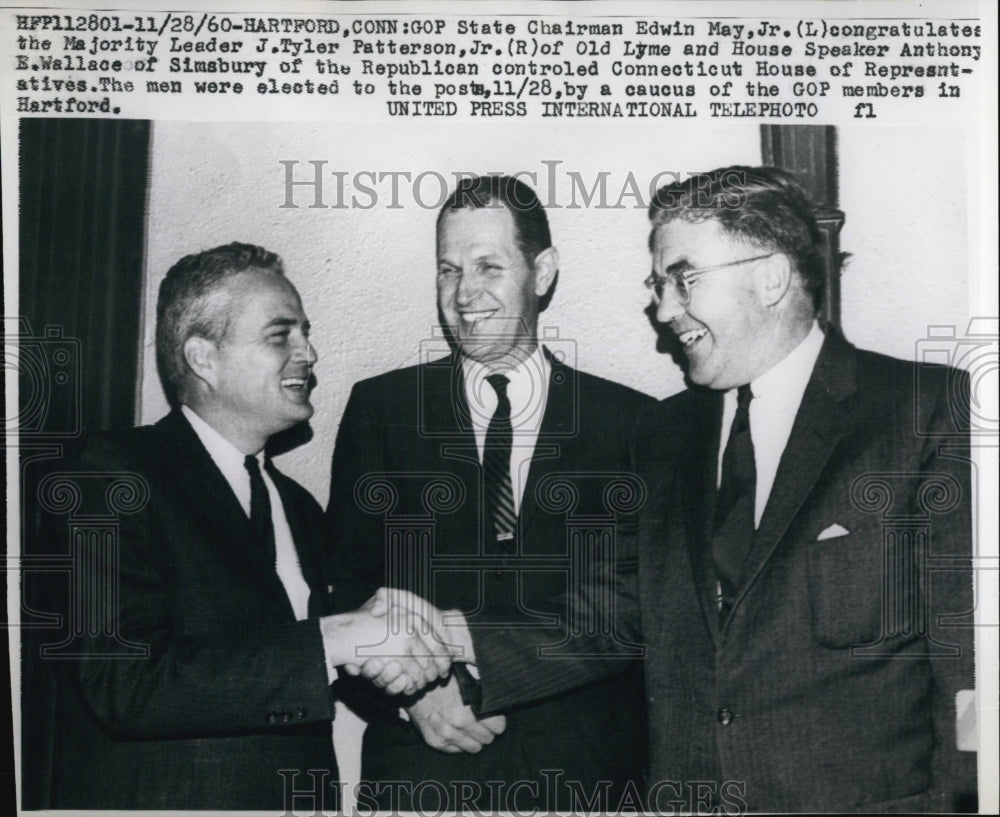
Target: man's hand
(449, 625)
(449, 725)
(392, 646)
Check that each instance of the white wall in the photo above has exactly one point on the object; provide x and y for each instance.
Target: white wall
(904, 193)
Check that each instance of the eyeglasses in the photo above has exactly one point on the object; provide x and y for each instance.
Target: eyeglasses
(683, 281)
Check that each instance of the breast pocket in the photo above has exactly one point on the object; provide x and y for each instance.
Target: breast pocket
(845, 576)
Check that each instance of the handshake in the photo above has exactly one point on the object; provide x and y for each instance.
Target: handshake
(398, 641)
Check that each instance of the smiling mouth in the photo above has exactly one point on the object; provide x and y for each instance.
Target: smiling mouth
(296, 384)
(473, 317)
(691, 337)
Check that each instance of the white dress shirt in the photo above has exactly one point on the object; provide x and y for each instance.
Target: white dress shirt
(527, 391)
(777, 395)
(230, 462)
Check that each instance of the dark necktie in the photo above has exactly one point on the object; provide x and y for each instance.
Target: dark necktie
(496, 463)
(733, 526)
(260, 508)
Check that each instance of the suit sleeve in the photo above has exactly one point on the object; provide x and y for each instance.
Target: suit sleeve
(946, 452)
(515, 663)
(148, 675)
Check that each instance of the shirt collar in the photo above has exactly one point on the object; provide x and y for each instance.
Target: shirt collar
(785, 382)
(528, 386)
(227, 457)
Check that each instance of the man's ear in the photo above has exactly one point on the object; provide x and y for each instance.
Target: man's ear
(772, 277)
(546, 268)
(201, 356)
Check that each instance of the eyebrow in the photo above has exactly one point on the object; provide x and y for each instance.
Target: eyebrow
(289, 322)
(483, 256)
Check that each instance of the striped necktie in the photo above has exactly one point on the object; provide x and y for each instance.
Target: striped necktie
(496, 463)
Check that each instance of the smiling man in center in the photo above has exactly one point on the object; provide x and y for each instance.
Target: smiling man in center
(445, 482)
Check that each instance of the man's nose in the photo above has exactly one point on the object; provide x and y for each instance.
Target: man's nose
(468, 288)
(305, 350)
(669, 307)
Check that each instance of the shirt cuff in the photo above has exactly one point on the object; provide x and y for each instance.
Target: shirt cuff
(331, 671)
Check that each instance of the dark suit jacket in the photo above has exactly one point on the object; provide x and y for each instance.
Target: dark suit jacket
(832, 685)
(406, 509)
(202, 686)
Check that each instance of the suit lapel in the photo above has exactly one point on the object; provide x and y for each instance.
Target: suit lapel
(698, 477)
(207, 493)
(444, 410)
(819, 425)
(555, 432)
(202, 483)
(446, 419)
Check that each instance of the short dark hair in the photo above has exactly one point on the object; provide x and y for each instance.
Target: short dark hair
(186, 307)
(764, 206)
(531, 225)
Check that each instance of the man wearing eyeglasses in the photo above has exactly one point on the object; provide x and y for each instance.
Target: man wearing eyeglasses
(808, 532)
(804, 589)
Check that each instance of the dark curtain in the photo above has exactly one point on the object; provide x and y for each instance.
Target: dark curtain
(83, 192)
(83, 208)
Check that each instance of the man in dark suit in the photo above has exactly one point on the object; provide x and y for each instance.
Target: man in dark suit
(490, 480)
(815, 499)
(805, 590)
(198, 649)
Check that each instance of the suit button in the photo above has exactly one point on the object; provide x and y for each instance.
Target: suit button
(498, 574)
(286, 717)
(300, 713)
(725, 717)
(271, 717)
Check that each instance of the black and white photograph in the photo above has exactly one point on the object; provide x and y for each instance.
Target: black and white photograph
(491, 408)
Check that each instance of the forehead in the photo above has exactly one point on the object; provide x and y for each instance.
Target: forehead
(697, 242)
(256, 296)
(490, 229)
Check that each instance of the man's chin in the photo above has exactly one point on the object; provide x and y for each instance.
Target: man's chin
(295, 414)
(700, 370)
(492, 352)
(298, 412)
(699, 375)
